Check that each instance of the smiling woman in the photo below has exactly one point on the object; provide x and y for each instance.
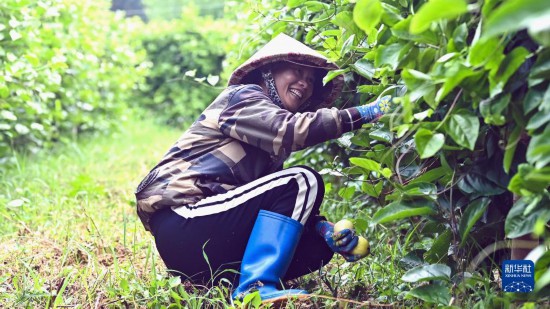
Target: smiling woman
(294, 84)
(221, 190)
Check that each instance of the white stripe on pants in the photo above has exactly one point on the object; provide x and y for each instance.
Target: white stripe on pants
(305, 199)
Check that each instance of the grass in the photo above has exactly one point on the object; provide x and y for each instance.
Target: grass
(69, 236)
(69, 233)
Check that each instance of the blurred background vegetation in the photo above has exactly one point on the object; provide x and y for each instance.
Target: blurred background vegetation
(71, 67)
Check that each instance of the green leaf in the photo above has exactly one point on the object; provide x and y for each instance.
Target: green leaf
(538, 120)
(401, 31)
(388, 55)
(124, 285)
(426, 59)
(424, 189)
(386, 172)
(440, 248)
(542, 281)
(518, 223)
(460, 35)
(455, 73)
(294, 3)
(542, 269)
(541, 68)
(372, 190)
(213, 79)
(436, 10)
(21, 129)
(14, 35)
(412, 259)
(514, 15)
(368, 164)
(381, 135)
(344, 20)
(424, 114)
(471, 215)
(4, 91)
(428, 143)
(8, 115)
(367, 14)
(432, 293)
(15, 203)
(486, 52)
(463, 129)
(545, 104)
(511, 146)
(316, 6)
(418, 83)
(374, 89)
(417, 189)
(529, 180)
(346, 193)
(364, 68)
(332, 74)
(401, 209)
(174, 281)
(541, 34)
(533, 99)
(254, 299)
(491, 109)
(348, 44)
(478, 182)
(538, 151)
(391, 15)
(427, 273)
(510, 64)
(431, 175)
(32, 59)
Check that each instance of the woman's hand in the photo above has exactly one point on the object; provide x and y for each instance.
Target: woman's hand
(374, 110)
(343, 242)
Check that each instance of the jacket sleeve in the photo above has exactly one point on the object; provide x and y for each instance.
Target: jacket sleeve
(253, 118)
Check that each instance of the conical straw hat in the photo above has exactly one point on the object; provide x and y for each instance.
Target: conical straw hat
(285, 48)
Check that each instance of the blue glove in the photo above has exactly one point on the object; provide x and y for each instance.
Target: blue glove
(342, 243)
(374, 110)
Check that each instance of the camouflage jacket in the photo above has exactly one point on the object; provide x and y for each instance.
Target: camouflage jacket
(240, 137)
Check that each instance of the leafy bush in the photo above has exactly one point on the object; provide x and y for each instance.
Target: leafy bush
(467, 140)
(171, 9)
(186, 56)
(67, 67)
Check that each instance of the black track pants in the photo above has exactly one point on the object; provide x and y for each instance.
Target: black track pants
(205, 241)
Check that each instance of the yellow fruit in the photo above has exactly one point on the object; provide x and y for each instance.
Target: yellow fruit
(362, 248)
(342, 225)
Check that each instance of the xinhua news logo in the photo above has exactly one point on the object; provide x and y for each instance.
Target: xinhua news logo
(518, 276)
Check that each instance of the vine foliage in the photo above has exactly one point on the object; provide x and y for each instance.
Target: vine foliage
(465, 157)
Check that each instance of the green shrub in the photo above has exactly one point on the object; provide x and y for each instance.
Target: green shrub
(470, 135)
(186, 58)
(66, 66)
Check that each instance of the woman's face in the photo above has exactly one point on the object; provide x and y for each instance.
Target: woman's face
(294, 84)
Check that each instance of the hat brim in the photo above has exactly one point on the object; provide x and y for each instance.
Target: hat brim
(277, 50)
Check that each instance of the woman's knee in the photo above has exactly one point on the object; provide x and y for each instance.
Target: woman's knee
(310, 171)
(313, 179)
(315, 182)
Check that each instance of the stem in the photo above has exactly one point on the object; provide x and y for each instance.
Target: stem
(450, 110)
(452, 217)
(397, 167)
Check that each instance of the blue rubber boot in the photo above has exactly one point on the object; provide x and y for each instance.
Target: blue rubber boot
(267, 256)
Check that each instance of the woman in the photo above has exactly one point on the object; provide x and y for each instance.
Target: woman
(219, 200)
